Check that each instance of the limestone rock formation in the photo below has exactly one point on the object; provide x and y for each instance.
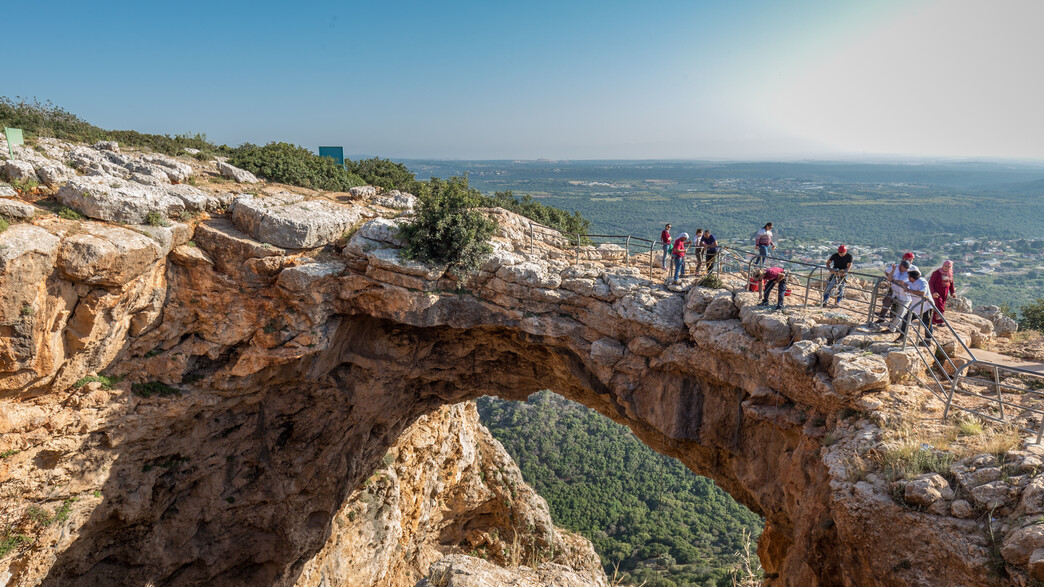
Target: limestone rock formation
(446, 486)
(234, 173)
(264, 382)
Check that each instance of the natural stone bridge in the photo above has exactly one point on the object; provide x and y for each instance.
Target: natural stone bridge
(297, 371)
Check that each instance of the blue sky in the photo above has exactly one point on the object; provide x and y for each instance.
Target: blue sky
(557, 79)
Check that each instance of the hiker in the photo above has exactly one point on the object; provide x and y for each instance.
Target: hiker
(919, 306)
(665, 241)
(710, 249)
(697, 252)
(763, 240)
(941, 286)
(900, 296)
(678, 253)
(774, 277)
(838, 264)
(889, 302)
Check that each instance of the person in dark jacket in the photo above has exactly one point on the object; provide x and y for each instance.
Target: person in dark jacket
(839, 263)
(665, 241)
(710, 249)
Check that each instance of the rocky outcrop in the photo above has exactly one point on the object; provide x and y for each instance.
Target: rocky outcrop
(263, 385)
(1003, 325)
(446, 486)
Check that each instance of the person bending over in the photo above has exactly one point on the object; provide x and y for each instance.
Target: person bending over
(774, 277)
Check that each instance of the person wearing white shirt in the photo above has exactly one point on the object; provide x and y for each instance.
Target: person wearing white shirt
(899, 276)
(919, 305)
(763, 240)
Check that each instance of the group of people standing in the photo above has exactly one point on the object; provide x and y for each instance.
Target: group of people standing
(704, 251)
(912, 296)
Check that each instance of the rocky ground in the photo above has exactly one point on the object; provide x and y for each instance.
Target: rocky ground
(204, 386)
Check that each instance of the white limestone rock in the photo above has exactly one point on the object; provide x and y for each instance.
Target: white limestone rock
(363, 191)
(107, 146)
(236, 174)
(19, 171)
(176, 171)
(116, 200)
(10, 208)
(106, 255)
(7, 191)
(55, 174)
(396, 199)
(927, 489)
(301, 277)
(287, 220)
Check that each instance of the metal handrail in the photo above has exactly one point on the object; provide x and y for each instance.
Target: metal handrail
(944, 370)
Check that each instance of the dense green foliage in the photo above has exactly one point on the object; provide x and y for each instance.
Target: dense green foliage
(1033, 316)
(385, 174)
(566, 222)
(647, 513)
(286, 163)
(447, 229)
(43, 119)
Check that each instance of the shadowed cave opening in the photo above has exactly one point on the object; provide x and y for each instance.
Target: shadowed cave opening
(652, 521)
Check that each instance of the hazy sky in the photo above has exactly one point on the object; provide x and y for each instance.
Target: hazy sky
(563, 79)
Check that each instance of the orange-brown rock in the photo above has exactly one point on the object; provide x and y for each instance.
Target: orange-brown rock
(285, 385)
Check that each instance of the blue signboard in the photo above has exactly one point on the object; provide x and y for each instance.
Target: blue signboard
(335, 153)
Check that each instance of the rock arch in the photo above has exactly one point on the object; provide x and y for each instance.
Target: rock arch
(298, 374)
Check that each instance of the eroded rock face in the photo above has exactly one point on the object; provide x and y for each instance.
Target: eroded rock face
(291, 378)
(446, 486)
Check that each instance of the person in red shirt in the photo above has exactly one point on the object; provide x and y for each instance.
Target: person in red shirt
(774, 277)
(665, 241)
(678, 253)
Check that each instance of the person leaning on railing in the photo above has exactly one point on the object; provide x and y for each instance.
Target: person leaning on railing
(891, 305)
(839, 263)
(920, 306)
(697, 252)
(710, 247)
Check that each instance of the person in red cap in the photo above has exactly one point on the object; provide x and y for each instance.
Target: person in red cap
(839, 263)
(896, 272)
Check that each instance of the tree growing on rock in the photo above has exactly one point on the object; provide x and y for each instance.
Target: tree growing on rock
(447, 228)
(1033, 316)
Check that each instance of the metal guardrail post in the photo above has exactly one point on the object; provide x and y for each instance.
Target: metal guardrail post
(532, 236)
(627, 252)
(577, 248)
(997, 388)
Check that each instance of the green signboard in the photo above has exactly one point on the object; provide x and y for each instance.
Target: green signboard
(14, 137)
(335, 153)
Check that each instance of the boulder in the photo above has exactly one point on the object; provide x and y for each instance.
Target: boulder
(235, 173)
(904, 364)
(1019, 545)
(147, 173)
(958, 303)
(396, 199)
(927, 489)
(115, 200)
(7, 191)
(55, 174)
(1036, 565)
(302, 277)
(287, 220)
(176, 171)
(856, 373)
(107, 146)
(1003, 325)
(363, 191)
(19, 171)
(382, 230)
(11, 208)
(961, 509)
(106, 255)
(992, 495)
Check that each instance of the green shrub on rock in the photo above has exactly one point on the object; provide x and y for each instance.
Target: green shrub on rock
(290, 164)
(447, 229)
(384, 173)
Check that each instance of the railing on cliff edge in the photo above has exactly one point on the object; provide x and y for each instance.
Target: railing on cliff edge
(951, 375)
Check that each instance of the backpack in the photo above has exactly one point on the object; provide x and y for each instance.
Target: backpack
(764, 240)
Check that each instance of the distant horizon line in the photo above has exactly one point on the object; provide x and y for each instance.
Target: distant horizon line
(869, 160)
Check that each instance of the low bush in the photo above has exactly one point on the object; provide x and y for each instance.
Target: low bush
(290, 164)
(385, 174)
(4, 224)
(447, 230)
(570, 223)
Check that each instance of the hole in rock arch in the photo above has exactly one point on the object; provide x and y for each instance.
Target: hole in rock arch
(650, 518)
